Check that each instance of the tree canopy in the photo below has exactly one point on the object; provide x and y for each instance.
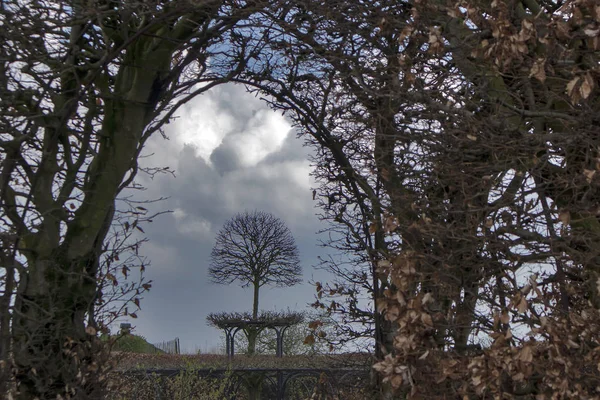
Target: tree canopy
(255, 249)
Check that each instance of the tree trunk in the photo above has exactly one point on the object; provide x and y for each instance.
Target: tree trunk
(252, 333)
(51, 347)
(54, 355)
(255, 301)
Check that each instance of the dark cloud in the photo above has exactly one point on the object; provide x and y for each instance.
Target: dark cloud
(225, 159)
(230, 154)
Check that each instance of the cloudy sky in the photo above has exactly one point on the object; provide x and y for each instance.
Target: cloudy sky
(230, 153)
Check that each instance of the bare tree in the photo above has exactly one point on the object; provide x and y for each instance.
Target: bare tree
(255, 249)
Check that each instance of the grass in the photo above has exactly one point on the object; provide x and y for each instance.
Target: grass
(176, 361)
(130, 343)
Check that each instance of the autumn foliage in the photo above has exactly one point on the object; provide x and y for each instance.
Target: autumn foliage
(458, 145)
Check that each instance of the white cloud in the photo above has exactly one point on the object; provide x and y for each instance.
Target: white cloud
(229, 116)
(192, 225)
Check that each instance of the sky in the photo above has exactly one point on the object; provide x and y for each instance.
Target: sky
(230, 153)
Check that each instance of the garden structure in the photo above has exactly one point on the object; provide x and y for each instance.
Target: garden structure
(232, 323)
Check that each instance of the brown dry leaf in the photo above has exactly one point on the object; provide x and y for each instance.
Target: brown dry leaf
(400, 298)
(538, 70)
(428, 298)
(433, 37)
(526, 354)
(310, 339)
(393, 313)
(406, 32)
(504, 317)
(427, 320)
(396, 381)
(564, 217)
(90, 330)
(572, 91)
(563, 31)
(522, 307)
(372, 228)
(489, 223)
(391, 223)
(315, 324)
(577, 14)
(518, 377)
(381, 305)
(496, 320)
(453, 12)
(589, 175)
(586, 86)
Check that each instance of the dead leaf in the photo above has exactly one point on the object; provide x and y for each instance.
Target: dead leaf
(563, 31)
(538, 70)
(396, 381)
(315, 324)
(586, 86)
(565, 217)
(589, 175)
(453, 12)
(406, 32)
(391, 223)
(522, 307)
(504, 317)
(90, 330)
(571, 89)
(428, 298)
(427, 320)
(372, 228)
(112, 278)
(400, 298)
(518, 377)
(526, 355)
(310, 339)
